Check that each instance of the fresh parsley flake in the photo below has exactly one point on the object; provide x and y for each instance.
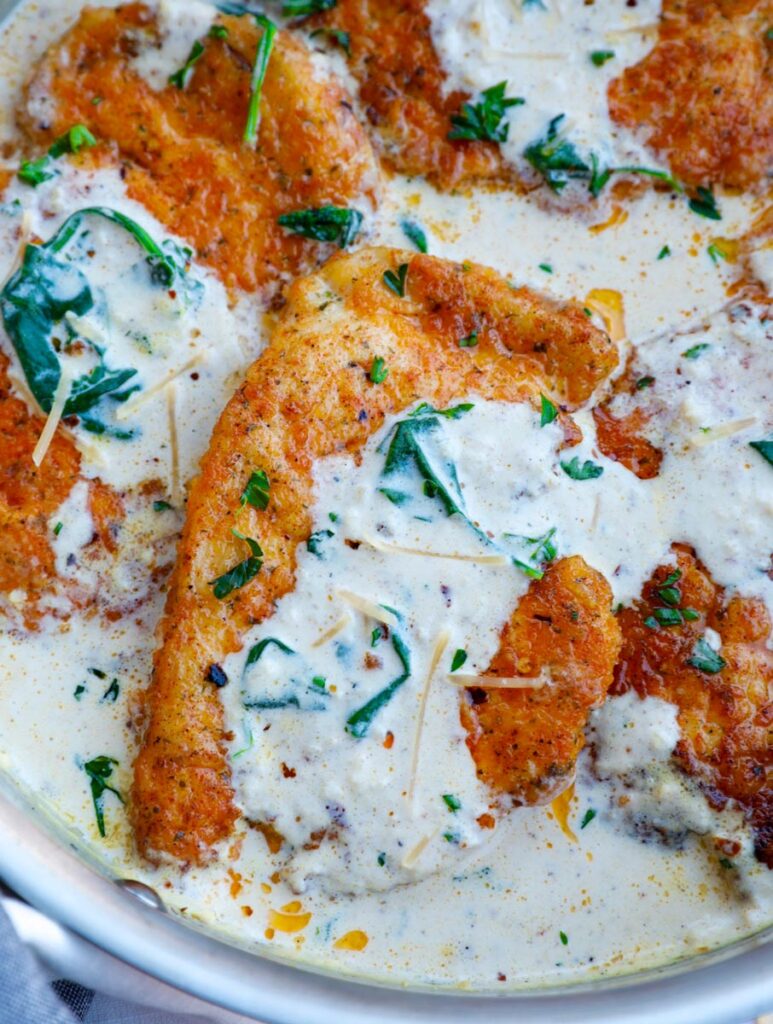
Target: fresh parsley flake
(644, 382)
(765, 448)
(99, 770)
(110, 696)
(564, 938)
(218, 32)
(485, 120)
(80, 689)
(548, 411)
(161, 506)
(302, 8)
(336, 35)
(588, 817)
(35, 172)
(600, 57)
(379, 371)
(704, 204)
(395, 282)
(414, 233)
(715, 253)
(314, 543)
(262, 55)
(381, 860)
(324, 224)
(546, 267)
(376, 636)
(555, 157)
(705, 658)
(58, 529)
(586, 471)
(469, 341)
(665, 251)
(256, 492)
(726, 863)
(458, 659)
(453, 803)
(696, 350)
(181, 78)
(241, 573)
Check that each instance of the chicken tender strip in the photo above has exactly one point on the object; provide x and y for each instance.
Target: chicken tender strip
(726, 716)
(525, 742)
(182, 150)
(307, 397)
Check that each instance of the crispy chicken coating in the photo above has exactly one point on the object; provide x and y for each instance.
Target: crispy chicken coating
(525, 742)
(308, 396)
(726, 706)
(703, 97)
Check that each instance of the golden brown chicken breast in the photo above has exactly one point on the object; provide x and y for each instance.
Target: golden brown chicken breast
(182, 148)
(308, 396)
(725, 698)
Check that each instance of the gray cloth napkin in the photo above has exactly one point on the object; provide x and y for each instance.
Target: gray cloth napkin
(27, 996)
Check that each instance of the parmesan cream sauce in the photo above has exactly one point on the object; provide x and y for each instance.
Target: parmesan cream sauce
(539, 874)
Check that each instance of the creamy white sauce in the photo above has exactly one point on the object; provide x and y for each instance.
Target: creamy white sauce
(543, 51)
(454, 925)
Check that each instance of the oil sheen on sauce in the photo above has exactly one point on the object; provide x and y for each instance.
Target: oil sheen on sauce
(404, 794)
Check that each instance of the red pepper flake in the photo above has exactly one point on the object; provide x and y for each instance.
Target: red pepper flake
(389, 740)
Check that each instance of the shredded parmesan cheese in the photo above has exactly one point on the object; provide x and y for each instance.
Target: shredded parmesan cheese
(413, 854)
(334, 630)
(722, 430)
(174, 447)
(501, 682)
(369, 608)
(440, 645)
(379, 545)
(129, 408)
(61, 395)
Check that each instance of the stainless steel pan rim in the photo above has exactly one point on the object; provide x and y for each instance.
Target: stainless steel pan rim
(732, 986)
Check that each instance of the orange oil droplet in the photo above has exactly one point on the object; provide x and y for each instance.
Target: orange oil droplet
(355, 940)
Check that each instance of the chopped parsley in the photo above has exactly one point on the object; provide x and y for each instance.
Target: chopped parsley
(35, 172)
(241, 573)
(110, 696)
(555, 157)
(218, 32)
(665, 251)
(58, 529)
(337, 35)
(586, 471)
(644, 382)
(600, 57)
(726, 863)
(381, 860)
(546, 267)
(360, 721)
(396, 497)
(543, 550)
(588, 817)
(704, 204)
(765, 448)
(80, 689)
(161, 506)
(469, 341)
(715, 253)
(99, 770)
(313, 544)
(453, 803)
(696, 350)
(415, 234)
(259, 69)
(302, 8)
(451, 837)
(257, 490)
(336, 224)
(395, 282)
(548, 411)
(670, 617)
(459, 658)
(564, 938)
(705, 658)
(485, 120)
(379, 371)
(375, 636)
(182, 78)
